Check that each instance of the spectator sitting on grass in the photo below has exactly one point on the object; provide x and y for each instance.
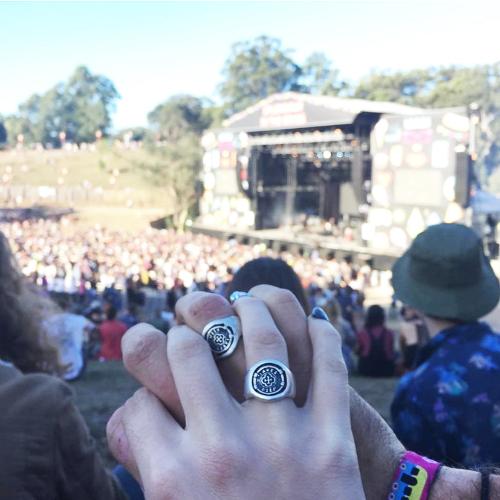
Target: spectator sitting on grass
(112, 331)
(376, 345)
(448, 408)
(70, 333)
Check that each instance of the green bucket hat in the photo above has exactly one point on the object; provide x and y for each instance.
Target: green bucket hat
(445, 274)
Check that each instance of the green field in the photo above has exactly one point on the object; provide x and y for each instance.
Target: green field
(104, 185)
(105, 386)
(114, 171)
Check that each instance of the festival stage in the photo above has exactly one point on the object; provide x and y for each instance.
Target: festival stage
(299, 241)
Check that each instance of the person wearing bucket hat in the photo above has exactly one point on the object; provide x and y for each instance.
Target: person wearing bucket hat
(448, 408)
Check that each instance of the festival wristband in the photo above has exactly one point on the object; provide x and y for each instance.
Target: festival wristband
(414, 477)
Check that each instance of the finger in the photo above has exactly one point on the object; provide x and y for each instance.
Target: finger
(118, 443)
(152, 434)
(144, 350)
(196, 310)
(203, 396)
(261, 337)
(291, 321)
(329, 392)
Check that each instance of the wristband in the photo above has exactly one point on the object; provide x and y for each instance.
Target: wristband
(414, 477)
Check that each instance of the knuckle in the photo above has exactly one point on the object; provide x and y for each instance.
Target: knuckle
(137, 346)
(335, 365)
(185, 344)
(280, 446)
(162, 483)
(204, 305)
(339, 458)
(282, 296)
(222, 463)
(267, 337)
(136, 400)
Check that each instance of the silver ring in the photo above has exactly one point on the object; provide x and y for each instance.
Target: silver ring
(222, 336)
(237, 295)
(269, 380)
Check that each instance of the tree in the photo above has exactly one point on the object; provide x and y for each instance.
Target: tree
(80, 107)
(213, 114)
(175, 167)
(87, 105)
(179, 115)
(402, 87)
(256, 69)
(319, 77)
(17, 126)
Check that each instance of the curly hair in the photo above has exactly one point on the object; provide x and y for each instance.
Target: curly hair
(23, 340)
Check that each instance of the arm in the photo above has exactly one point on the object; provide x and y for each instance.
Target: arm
(378, 449)
(460, 484)
(377, 467)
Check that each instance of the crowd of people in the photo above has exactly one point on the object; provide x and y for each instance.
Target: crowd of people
(61, 256)
(105, 281)
(446, 406)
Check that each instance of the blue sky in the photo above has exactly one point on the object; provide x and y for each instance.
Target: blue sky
(152, 50)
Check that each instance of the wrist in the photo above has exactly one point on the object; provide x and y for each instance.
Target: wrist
(458, 484)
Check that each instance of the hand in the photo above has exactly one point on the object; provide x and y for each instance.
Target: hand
(144, 351)
(252, 450)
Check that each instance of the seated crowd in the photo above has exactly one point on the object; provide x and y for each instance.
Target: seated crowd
(329, 444)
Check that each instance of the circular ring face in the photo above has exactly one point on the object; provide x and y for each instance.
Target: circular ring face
(269, 379)
(222, 336)
(237, 295)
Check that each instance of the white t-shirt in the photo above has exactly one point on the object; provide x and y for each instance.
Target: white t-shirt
(69, 332)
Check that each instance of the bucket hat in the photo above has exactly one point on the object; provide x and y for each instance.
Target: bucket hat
(445, 274)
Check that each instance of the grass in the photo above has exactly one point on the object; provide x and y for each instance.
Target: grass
(114, 171)
(105, 386)
(83, 182)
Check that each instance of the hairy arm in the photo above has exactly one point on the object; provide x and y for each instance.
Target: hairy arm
(379, 452)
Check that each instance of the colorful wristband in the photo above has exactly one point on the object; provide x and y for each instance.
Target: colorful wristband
(414, 477)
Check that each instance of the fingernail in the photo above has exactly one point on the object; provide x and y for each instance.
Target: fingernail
(237, 295)
(318, 313)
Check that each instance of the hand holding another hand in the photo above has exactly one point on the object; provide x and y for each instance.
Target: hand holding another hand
(313, 443)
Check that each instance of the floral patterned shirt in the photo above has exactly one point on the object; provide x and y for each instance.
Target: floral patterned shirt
(448, 408)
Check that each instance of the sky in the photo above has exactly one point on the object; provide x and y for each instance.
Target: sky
(152, 50)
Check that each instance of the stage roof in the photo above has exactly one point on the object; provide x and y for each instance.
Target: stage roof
(292, 110)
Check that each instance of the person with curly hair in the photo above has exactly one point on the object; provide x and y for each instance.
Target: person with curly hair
(46, 450)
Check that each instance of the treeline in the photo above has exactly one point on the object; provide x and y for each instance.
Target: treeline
(80, 109)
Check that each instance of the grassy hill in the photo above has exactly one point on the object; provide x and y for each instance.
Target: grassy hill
(105, 168)
(103, 184)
